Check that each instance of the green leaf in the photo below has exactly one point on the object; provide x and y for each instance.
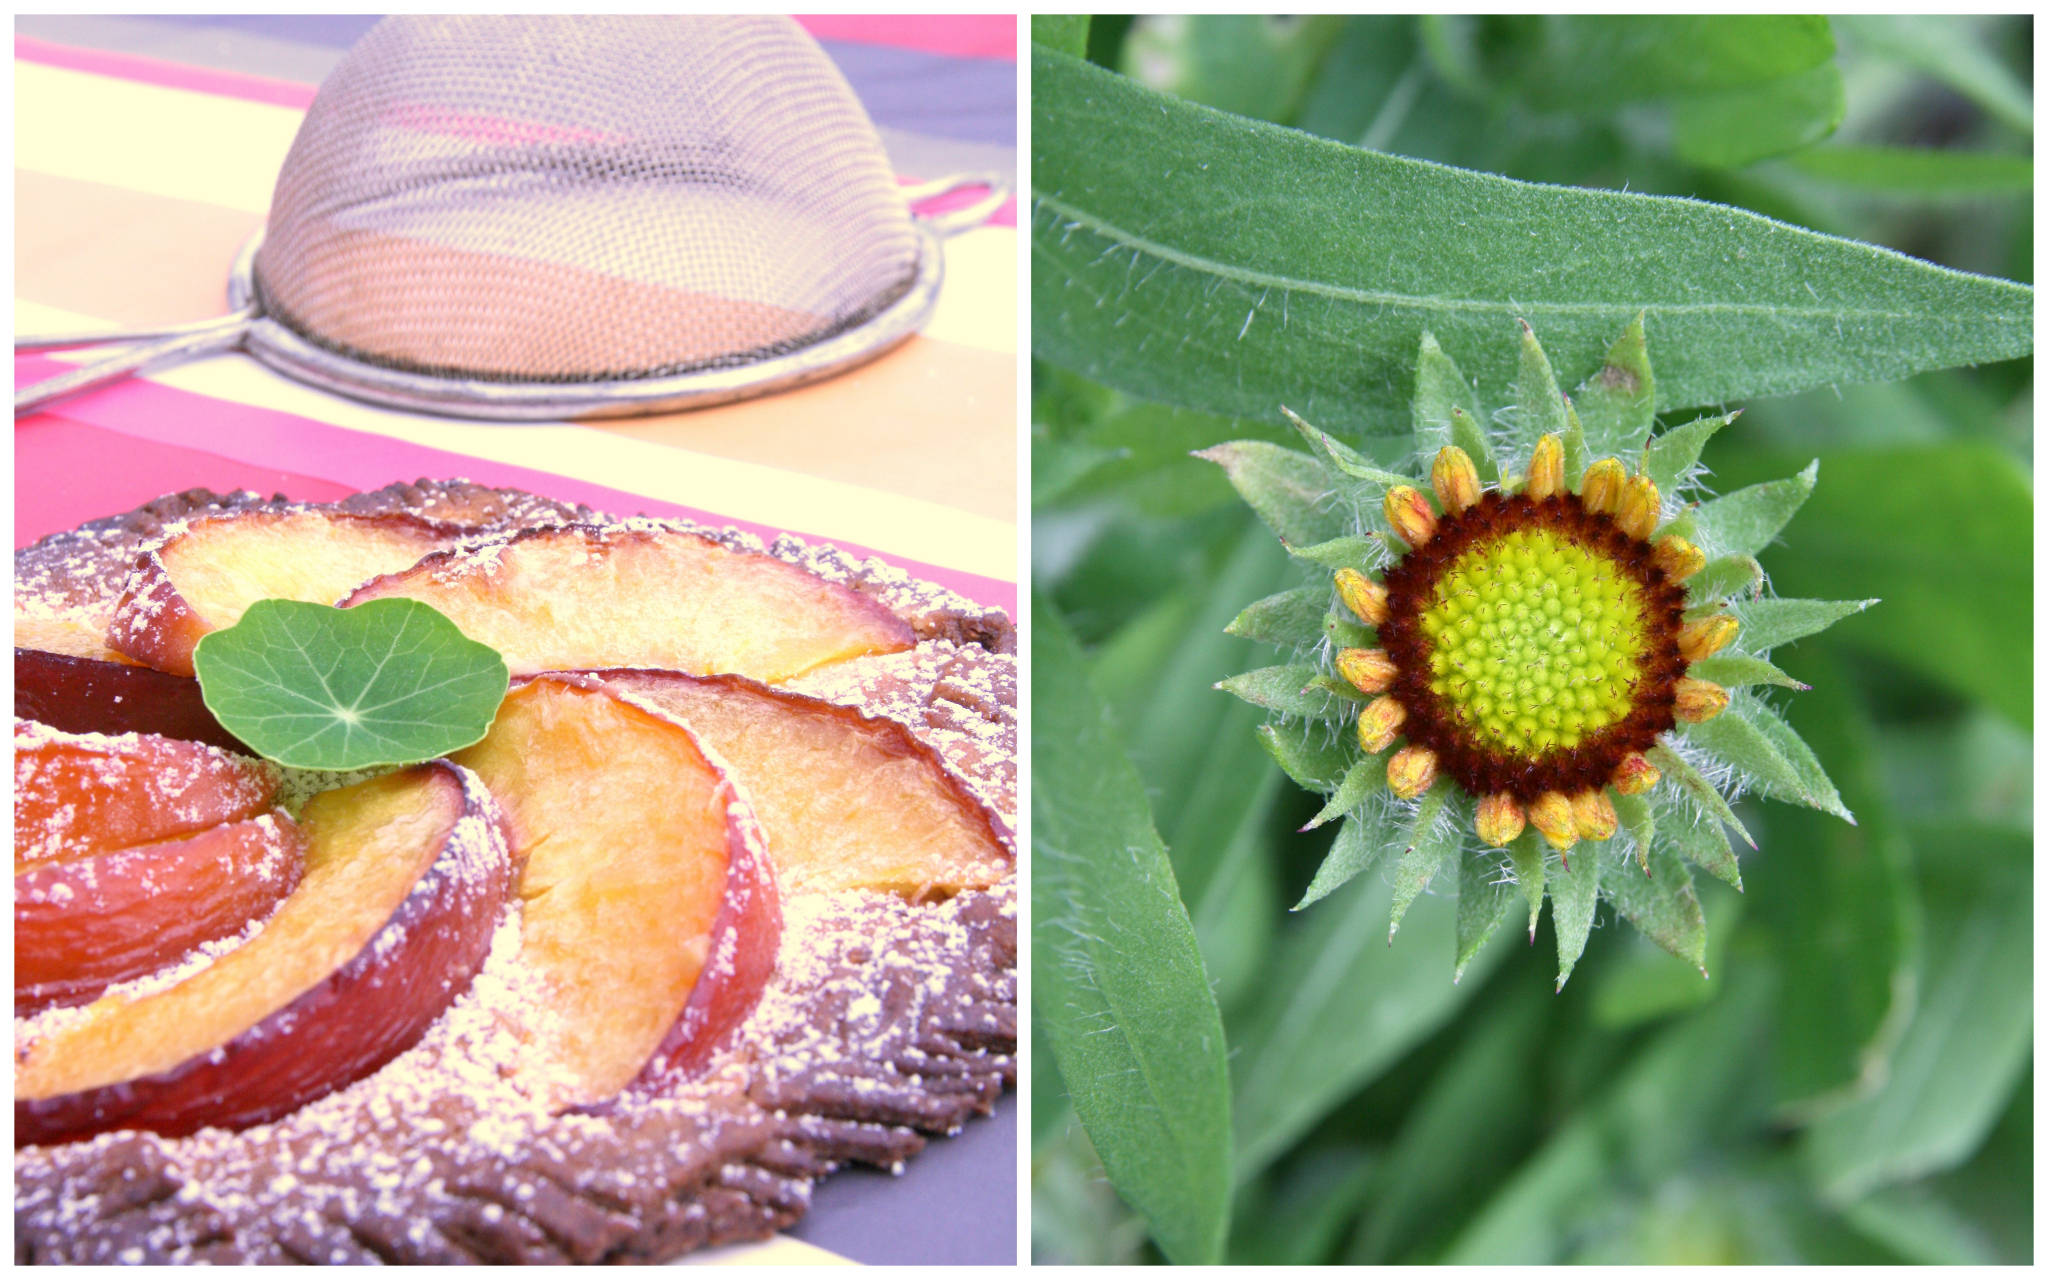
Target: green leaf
(1617, 404)
(1745, 522)
(1484, 895)
(1360, 844)
(1593, 63)
(1200, 259)
(1945, 49)
(1292, 492)
(1671, 455)
(1526, 856)
(1662, 905)
(1341, 456)
(1740, 126)
(1432, 841)
(1918, 172)
(1724, 579)
(1066, 32)
(1574, 893)
(1366, 777)
(1119, 984)
(1706, 800)
(1283, 689)
(1341, 1007)
(1751, 737)
(1766, 624)
(1540, 405)
(1944, 535)
(1253, 64)
(1291, 618)
(314, 687)
(1313, 753)
(1738, 670)
(1340, 553)
(1701, 841)
(1956, 1066)
(1445, 412)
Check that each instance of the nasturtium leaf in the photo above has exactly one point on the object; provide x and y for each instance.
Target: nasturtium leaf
(315, 687)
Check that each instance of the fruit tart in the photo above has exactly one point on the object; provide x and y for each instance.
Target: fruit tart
(722, 899)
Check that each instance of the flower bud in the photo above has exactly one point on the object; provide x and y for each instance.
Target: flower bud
(1635, 774)
(1593, 814)
(1455, 479)
(1379, 724)
(1551, 814)
(1700, 700)
(1368, 670)
(1638, 514)
(1410, 771)
(1707, 636)
(1600, 491)
(1499, 820)
(1409, 512)
(1678, 558)
(1363, 596)
(1546, 468)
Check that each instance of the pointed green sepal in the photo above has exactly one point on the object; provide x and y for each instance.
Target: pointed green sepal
(1432, 841)
(1289, 618)
(1291, 491)
(1696, 788)
(1745, 522)
(1539, 403)
(1312, 752)
(1617, 405)
(1766, 624)
(1574, 895)
(1360, 843)
(1670, 458)
(1366, 777)
(1483, 902)
(1286, 689)
(1663, 905)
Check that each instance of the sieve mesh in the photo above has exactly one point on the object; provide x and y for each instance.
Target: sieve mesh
(536, 199)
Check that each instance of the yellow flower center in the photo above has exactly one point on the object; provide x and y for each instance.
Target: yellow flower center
(1535, 642)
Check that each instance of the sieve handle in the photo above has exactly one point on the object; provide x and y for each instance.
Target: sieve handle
(173, 346)
(954, 221)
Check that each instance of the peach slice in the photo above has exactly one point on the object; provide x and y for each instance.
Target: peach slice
(628, 835)
(76, 795)
(82, 925)
(643, 595)
(848, 801)
(405, 880)
(204, 578)
(112, 694)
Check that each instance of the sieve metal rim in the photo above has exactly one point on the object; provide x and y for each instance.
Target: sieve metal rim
(285, 350)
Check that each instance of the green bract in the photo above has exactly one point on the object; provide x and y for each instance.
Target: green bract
(1555, 604)
(387, 682)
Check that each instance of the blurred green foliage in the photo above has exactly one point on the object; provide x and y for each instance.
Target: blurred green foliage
(1853, 1082)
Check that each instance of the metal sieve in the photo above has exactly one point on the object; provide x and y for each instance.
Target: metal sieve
(570, 217)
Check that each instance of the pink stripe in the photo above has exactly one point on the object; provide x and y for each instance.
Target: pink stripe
(974, 35)
(1004, 216)
(171, 75)
(362, 460)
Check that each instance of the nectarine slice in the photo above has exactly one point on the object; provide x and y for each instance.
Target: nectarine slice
(80, 794)
(642, 595)
(82, 925)
(405, 878)
(112, 694)
(205, 577)
(848, 801)
(627, 833)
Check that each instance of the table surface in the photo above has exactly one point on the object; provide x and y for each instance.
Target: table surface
(145, 151)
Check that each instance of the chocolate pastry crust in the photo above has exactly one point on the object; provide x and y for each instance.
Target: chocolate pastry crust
(887, 1021)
